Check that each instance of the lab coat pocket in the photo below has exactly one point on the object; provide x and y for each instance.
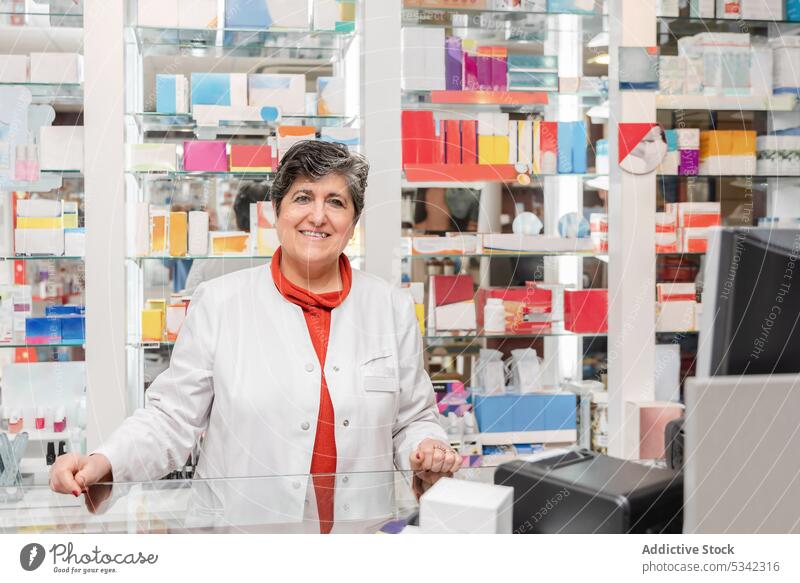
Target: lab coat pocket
(379, 374)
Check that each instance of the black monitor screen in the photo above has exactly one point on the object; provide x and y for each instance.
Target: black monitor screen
(757, 305)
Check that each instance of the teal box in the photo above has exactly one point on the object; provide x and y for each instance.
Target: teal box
(579, 147)
(532, 81)
(166, 94)
(247, 14)
(672, 140)
(532, 63)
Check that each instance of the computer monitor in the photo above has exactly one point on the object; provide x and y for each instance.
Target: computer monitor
(741, 470)
(750, 321)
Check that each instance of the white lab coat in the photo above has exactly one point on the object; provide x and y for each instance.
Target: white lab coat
(244, 371)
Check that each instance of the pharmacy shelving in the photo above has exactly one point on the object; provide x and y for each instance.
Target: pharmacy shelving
(152, 50)
(784, 102)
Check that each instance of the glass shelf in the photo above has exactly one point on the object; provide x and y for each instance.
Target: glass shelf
(488, 17)
(41, 258)
(557, 329)
(180, 174)
(52, 93)
(285, 43)
(415, 99)
(710, 103)
(505, 255)
(72, 19)
(218, 257)
(714, 176)
(709, 24)
(150, 121)
(23, 344)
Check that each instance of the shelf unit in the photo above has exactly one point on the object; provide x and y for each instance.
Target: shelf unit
(56, 104)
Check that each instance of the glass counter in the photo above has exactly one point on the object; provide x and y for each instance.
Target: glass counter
(364, 502)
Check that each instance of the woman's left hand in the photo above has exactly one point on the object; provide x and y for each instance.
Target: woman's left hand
(433, 459)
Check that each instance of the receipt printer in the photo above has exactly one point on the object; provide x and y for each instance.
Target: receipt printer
(581, 492)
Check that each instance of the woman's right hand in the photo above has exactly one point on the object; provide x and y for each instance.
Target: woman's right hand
(72, 473)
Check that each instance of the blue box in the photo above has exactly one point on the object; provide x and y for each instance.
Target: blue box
(73, 329)
(569, 7)
(672, 140)
(64, 310)
(579, 147)
(494, 413)
(211, 89)
(42, 330)
(565, 146)
(532, 63)
(560, 412)
(793, 10)
(529, 413)
(247, 14)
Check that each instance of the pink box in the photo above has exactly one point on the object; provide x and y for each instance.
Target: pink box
(205, 156)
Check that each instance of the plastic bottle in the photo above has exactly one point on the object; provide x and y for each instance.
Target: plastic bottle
(494, 316)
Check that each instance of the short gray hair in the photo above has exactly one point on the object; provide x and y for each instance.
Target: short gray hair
(314, 159)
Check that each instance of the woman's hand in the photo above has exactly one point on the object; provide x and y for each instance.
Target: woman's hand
(433, 459)
(73, 473)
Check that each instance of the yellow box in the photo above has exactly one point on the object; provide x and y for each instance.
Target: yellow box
(267, 241)
(158, 233)
(485, 149)
(40, 223)
(234, 243)
(152, 325)
(178, 240)
(501, 148)
(420, 310)
(347, 11)
(70, 220)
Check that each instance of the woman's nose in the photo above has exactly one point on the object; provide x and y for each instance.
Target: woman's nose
(318, 213)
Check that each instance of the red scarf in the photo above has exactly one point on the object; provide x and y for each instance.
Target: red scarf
(317, 312)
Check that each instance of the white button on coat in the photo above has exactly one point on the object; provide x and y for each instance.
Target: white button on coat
(237, 373)
(305, 425)
(309, 367)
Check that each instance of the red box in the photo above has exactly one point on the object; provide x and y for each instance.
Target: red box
(246, 156)
(453, 141)
(469, 141)
(586, 311)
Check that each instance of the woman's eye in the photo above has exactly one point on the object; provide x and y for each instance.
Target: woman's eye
(337, 202)
(302, 198)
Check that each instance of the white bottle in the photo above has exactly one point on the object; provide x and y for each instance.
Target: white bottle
(494, 316)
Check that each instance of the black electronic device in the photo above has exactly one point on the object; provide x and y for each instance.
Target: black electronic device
(582, 492)
(673, 444)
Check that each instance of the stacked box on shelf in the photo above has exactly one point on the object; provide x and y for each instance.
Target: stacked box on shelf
(676, 308)
(14, 68)
(451, 305)
(263, 234)
(39, 227)
(61, 148)
(778, 155)
(731, 152)
(423, 58)
(264, 14)
(693, 220)
(60, 324)
(532, 73)
(666, 233)
(151, 158)
(586, 311)
(172, 94)
(598, 231)
(285, 92)
(527, 309)
(514, 413)
(335, 15)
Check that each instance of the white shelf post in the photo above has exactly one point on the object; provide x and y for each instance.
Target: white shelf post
(631, 236)
(104, 95)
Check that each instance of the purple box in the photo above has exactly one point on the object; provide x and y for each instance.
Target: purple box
(205, 156)
(470, 72)
(689, 164)
(484, 72)
(453, 64)
(499, 73)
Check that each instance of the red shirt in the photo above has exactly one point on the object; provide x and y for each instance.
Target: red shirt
(317, 312)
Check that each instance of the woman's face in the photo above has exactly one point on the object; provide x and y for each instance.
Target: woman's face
(316, 220)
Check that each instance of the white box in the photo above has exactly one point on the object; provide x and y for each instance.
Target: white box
(762, 9)
(331, 94)
(676, 317)
(197, 14)
(14, 68)
(39, 207)
(412, 50)
(176, 314)
(39, 241)
(668, 372)
(142, 230)
(198, 233)
(688, 138)
(64, 68)
(729, 9)
(701, 8)
(288, 13)
(761, 70)
(75, 242)
(455, 245)
(151, 158)
(326, 13)
(286, 92)
(434, 58)
(459, 506)
(671, 292)
(61, 148)
(158, 13)
(457, 316)
(667, 8)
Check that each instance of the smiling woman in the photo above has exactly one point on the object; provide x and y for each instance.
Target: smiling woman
(308, 367)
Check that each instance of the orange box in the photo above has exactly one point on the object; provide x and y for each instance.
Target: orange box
(178, 234)
(251, 158)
